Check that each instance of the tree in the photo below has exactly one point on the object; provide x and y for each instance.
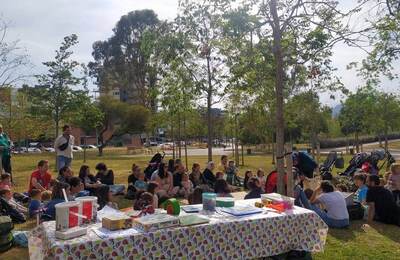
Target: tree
(305, 111)
(200, 23)
(386, 114)
(89, 118)
(12, 59)
(16, 115)
(356, 116)
(384, 38)
(125, 60)
(119, 118)
(313, 24)
(54, 95)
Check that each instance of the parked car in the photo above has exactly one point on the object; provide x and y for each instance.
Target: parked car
(88, 146)
(34, 150)
(49, 149)
(76, 148)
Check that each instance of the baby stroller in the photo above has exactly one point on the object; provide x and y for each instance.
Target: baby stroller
(332, 160)
(153, 165)
(369, 162)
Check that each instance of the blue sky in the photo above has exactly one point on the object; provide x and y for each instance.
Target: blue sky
(41, 24)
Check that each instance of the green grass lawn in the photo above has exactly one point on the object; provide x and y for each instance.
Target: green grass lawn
(378, 242)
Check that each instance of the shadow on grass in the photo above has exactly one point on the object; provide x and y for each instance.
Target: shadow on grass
(356, 229)
(389, 231)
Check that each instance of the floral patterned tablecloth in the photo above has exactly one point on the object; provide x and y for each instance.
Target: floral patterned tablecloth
(225, 237)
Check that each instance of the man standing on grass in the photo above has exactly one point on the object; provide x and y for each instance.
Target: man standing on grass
(63, 146)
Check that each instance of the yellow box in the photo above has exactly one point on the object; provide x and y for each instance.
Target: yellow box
(116, 222)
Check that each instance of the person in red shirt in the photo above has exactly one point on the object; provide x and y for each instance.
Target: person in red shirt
(40, 179)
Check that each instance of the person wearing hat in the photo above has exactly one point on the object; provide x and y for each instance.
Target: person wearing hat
(5, 152)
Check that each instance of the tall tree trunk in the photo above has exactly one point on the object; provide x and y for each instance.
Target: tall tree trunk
(386, 139)
(57, 121)
(289, 166)
(357, 143)
(236, 142)
(242, 154)
(185, 139)
(173, 140)
(179, 136)
(280, 138)
(209, 104)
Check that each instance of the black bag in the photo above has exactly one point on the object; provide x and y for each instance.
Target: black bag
(6, 237)
(339, 163)
(64, 146)
(356, 211)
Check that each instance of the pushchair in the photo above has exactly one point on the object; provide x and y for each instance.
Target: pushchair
(153, 165)
(369, 162)
(332, 160)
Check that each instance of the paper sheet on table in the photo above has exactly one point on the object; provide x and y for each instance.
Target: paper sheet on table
(105, 233)
(107, 211)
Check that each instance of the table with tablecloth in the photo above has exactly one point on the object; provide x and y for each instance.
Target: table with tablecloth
(225, 237)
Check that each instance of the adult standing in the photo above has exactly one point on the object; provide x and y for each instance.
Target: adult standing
(5, 152)
(63, 146)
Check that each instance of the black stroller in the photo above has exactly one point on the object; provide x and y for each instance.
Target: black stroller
(153, 165)
(369, 162)
(332, 160)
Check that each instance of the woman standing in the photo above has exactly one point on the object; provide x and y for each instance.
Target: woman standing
(5, 152)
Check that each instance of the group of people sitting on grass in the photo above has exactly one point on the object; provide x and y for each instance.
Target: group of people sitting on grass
(172, 180)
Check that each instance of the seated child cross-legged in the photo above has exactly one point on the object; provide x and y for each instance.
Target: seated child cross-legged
(105, 197)
(255, 189)
(35, 204)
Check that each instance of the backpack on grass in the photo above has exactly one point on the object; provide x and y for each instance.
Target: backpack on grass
(6, 237)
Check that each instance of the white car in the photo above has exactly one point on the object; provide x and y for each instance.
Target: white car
(34, 150)
(49, 149)
(76, 148)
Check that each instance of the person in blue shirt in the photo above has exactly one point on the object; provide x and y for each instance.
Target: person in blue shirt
(35, 204)
(57, 196)
(360, 195)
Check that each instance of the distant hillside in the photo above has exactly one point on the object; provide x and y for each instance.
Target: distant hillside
(336, 110)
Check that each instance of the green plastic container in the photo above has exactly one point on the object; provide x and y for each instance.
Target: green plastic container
(225, 202)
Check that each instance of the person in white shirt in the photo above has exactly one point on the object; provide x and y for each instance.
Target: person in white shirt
(63, 146)
(336, 215)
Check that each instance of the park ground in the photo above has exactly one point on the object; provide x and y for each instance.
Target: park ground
(377, 242)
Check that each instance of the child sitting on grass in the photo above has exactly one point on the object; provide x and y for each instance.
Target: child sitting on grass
(144, 202)
(255, 189)
(35, 204)
(247, 175)
(261, 177)
(222, 188)
(105, 197)
(187, 186)
(152, 188)
(46, 196)
(196, 197)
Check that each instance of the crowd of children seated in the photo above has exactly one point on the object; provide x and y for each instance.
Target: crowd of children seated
(167, 180)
